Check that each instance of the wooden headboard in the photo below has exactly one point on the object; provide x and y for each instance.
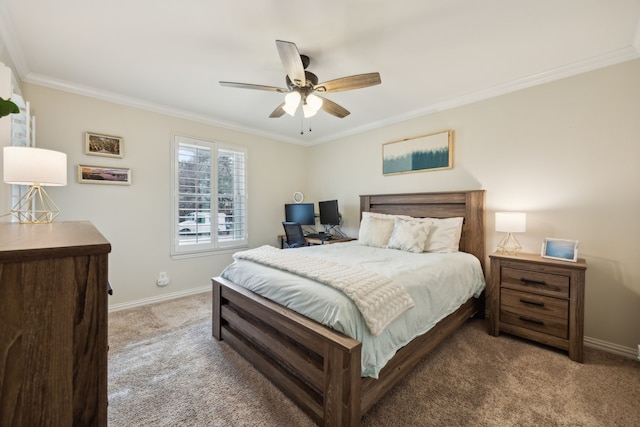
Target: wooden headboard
(467, 204)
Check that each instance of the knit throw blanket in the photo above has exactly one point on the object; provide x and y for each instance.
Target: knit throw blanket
(379, 298)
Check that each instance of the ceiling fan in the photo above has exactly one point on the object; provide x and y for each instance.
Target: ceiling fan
(302, 86)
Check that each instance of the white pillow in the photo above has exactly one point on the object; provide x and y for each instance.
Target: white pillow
(383, 216)
(410, 235)
(375, 231)
(445, 235)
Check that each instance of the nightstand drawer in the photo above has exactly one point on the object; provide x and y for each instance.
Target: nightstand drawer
(535, 312)
(554, 285)
(535, 305)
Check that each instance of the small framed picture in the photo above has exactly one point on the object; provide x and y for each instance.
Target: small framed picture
(103, 145)
(561, 249)
(103, 175)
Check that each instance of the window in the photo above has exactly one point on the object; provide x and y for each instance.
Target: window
(209, 208)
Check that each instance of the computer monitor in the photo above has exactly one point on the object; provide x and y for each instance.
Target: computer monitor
(329, 214)
(302, 213)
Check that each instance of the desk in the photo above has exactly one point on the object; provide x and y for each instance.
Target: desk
(328, 242)
(283, 238)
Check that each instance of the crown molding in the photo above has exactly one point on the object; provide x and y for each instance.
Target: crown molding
(580, 67)
(611, 58)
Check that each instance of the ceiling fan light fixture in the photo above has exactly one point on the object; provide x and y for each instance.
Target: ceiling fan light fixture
(291, 102)
(308, 111)
(301, 85)
(312, 105)
(315, 102)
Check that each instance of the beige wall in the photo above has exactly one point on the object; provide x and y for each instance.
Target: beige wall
(136, 218)
(566, 153)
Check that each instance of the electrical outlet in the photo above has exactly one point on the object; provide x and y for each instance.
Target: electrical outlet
(163, 279)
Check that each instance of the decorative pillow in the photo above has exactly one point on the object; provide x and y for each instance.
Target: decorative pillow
(410, 235)
(375, 231)
(384, 216)
(445, 235)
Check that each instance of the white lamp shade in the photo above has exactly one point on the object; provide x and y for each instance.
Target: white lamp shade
(315, 102)
(311, 105)
(28, 166)
(291, 101)
(308, 111)
(511, 222)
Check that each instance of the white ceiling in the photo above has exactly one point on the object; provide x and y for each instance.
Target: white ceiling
(168, 56)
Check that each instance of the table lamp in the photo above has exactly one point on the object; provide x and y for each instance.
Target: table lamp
(37, 168)
(510, 222)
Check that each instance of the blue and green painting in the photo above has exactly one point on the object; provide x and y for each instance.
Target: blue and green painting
(428, 152)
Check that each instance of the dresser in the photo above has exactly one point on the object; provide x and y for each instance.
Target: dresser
(53, 324)
(539, 299)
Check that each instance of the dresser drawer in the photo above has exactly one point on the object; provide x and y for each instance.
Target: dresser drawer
(554, 285)
(535, 312)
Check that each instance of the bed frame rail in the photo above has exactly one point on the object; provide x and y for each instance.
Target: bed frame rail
(413, 353)
(316, 367)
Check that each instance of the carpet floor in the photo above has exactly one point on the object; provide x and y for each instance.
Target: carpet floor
(165, 369)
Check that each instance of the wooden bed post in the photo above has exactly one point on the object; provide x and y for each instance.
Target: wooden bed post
(342, 387)
(217, 321)
(474, 224)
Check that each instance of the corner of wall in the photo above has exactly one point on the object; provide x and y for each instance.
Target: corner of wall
(636, 38)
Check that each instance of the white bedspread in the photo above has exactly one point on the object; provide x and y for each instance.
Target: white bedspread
(379, 298)
(438, 284)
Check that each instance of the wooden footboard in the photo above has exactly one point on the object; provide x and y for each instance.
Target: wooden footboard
(315, 366)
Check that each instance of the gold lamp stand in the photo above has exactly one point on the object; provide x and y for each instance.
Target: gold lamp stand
(509, 245)
(35, 207)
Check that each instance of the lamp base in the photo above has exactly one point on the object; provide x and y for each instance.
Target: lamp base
(35, 207)
(509, 245)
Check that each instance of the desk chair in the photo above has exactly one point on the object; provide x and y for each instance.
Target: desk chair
(295, 236)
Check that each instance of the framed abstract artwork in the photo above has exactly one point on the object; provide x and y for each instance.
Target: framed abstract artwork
(424, 153)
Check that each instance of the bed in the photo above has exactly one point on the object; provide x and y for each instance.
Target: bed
(320, 368)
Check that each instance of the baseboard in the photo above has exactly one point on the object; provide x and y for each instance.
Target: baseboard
(620, 350)
(153, 300)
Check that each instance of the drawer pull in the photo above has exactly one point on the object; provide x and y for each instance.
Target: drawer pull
(526, 319)
(532, 282)
(536, 303)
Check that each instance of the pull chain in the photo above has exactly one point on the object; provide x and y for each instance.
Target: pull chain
(302, 125)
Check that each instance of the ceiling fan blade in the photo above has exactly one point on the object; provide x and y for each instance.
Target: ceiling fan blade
(252, 86)
(278, 112)
(334, 109)
(292, 62)
(348, 83)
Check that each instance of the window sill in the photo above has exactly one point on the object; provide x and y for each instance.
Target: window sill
(208, 252)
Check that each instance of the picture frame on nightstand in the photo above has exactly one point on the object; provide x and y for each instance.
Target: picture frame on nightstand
(560, 249)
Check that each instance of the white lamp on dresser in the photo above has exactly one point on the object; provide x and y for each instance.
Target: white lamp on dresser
(510, 222)
(37, 168)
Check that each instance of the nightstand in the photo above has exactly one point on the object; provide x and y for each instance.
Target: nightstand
(539, 299)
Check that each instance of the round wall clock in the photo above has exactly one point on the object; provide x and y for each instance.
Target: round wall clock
(298, 197)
